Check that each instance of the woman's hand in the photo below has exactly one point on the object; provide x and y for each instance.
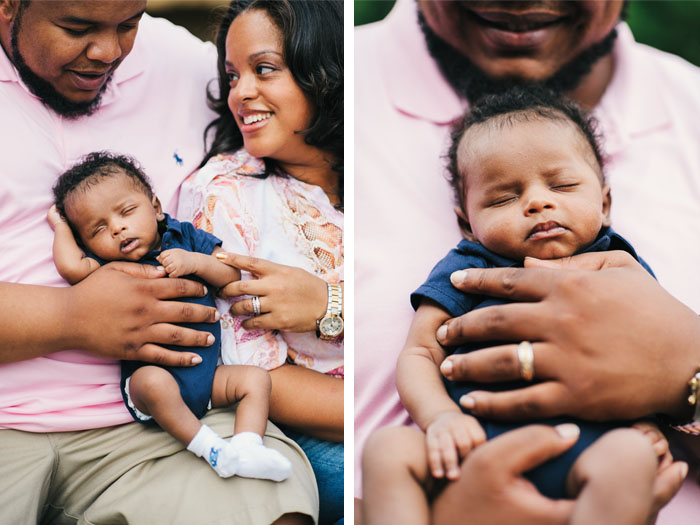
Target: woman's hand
(291, 299)
(609, 343)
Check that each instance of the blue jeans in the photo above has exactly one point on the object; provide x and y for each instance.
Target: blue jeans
(326, 458)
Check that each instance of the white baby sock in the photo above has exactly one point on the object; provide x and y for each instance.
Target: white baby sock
(222, 457)
(255, 460)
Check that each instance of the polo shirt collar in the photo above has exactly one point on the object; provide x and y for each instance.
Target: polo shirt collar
(633, 104)
(414, 83)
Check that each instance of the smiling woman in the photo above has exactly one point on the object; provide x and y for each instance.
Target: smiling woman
(271, 187)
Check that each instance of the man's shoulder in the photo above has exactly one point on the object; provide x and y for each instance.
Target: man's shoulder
(675, 72)
(163, 42)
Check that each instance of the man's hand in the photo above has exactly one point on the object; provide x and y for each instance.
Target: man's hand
(177, 262)
(449, 438)
(291, 299)
(122, 311)
(609, 341)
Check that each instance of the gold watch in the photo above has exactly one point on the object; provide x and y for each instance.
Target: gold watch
(331, 325)
(693, 427)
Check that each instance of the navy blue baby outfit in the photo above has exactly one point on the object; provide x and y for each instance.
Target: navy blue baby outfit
(550, 477)
(195, 382)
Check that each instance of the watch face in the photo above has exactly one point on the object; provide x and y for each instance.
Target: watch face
(331, 326)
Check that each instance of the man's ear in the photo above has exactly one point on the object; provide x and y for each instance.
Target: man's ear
(464, 225)
(159, 209)
(607, 201)
(8, 10)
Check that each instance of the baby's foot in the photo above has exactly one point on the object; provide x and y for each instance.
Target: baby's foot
(257, 461)
(220, 455)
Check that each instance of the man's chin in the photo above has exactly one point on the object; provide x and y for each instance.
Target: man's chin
(471, 82)
(48, 94)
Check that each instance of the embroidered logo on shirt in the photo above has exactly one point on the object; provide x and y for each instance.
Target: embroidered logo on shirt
(214, 456)
(178, 159)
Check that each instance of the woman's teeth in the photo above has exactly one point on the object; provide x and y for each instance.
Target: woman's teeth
(250, 119)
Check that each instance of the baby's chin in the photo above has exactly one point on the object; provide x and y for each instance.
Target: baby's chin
(551, 250)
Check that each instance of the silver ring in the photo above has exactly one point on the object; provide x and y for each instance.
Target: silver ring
(526, 358)
(256, 305)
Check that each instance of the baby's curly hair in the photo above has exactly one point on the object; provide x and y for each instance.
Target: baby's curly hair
(516, 105)
(94, 167)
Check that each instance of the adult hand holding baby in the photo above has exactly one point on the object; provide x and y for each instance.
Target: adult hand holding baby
(602, 344)
(122, 311)
(291, 299)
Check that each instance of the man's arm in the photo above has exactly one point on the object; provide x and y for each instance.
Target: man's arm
(178, 263)
(70, 261)
(121, 311)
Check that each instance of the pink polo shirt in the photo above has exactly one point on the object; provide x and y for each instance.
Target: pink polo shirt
(154, 110)
(404, 222)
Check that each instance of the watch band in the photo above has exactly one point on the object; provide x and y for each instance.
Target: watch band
(692, 427)
(334, 312)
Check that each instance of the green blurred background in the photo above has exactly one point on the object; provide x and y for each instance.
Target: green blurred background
(670, 25)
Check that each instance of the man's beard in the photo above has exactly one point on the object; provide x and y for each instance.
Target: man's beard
(46, 92)
(471, 82)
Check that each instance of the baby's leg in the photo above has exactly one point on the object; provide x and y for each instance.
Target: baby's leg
(154, 391)
(613, 479)
(250, 386)
(395, 477)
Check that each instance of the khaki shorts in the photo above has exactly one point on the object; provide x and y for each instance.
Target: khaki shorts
(141, 475)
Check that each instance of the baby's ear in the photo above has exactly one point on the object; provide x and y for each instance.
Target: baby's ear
(159, 209)
(464, 225)
(607, 201)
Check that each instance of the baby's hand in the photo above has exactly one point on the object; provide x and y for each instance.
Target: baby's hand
(658, 441)
(54, 217)
(449, 438)
(177, 262)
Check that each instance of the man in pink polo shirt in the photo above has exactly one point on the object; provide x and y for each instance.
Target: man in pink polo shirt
(415, 78)
(76, 78)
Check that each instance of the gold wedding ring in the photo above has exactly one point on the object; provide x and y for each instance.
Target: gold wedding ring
(526, 358)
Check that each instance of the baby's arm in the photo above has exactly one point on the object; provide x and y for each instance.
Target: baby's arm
(178, 262)
(450, 434)
(69, 259)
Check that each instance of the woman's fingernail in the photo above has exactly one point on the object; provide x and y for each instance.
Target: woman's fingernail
(210, 340)
(205, 290)
(217, 316)
(467, 402)
(568, 430)
(221, 256)
(446, 367)
(458, 277)
(442, 333)
(684, 470)
(196, 360)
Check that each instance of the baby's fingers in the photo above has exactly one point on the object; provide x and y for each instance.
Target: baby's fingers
(449, 456)
(432, 442)
(468, 438)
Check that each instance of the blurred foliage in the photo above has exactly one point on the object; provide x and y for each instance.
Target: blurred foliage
(671, 25)
(200, 17)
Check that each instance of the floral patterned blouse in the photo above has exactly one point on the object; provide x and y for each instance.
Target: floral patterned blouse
(277, 218)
